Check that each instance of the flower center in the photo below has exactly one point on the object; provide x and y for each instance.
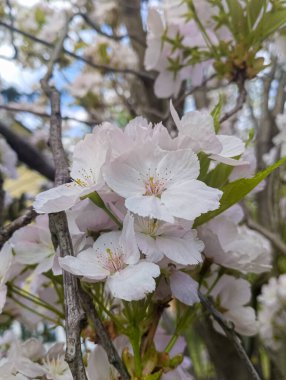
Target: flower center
(113, 261)
(154, 187)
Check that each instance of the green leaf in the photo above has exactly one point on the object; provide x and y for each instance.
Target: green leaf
(218, 176)
(216, 112)
(204, 165)
(238, 22)
(269, 24)
(254, 9)
(236, 191)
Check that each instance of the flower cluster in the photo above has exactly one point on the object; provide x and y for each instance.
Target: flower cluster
(272, 313)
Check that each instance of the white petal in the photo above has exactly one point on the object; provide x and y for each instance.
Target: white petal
(85, 264)
(88, 157)
(185, 250)
(184, 288)
(148, 246)
(98, 367)
(232, 146)
(175, 115)
(228, 160)
(166, 85)
(57, 199)
(128, 240)
(6, 258)
(198, 126)
(123, 179)
(190, 199)
(150, 206)
(133, 282)
(181, 164)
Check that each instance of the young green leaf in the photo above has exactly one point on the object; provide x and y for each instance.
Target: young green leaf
(236, 191)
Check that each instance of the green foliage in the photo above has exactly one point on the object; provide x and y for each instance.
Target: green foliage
(236, 191)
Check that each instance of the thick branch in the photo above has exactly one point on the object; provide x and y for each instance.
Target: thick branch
(74, 315)
(27, 153)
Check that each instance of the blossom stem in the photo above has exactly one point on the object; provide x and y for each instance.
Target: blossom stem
(190, 312)
(135, 341)
(98, 201)
(30, 297)
(44, 316)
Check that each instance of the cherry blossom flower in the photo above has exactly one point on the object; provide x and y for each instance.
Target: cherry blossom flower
(234, 246)
(32, 245)
(54, 365)
(196, 129)
(230, 296)
(272, 314)
(157, 239)
(115, 258)
(89, 155)
(161, 184)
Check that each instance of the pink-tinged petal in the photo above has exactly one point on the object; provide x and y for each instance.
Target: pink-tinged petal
(179, 165)
(133, 282)
(98, 367)
(57, 199)
(45, 265)
(88, 157)
(148, 246)
(198, 126)
(166, 85)
(184, 288)
(232, 146)
(152, 53)
(186, 250)
(6, 258)
(244, 320)
(123, 179)
(150, 206)
(190, 199)
(228, 160)
(175, 115)
(128, 240)
(155, 22)
(85, 264)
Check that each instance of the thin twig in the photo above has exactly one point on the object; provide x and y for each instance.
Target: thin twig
(11, 17)
(271, 236)
(229, 332)
(105, 68)
(45, 114)
(239, 102)
(104, 338)
(114, 37)
(7, 231)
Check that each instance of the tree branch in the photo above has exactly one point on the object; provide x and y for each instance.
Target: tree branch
(7, 231)
(239, 102)
(27, 153)
(74, 315)
(112, 354)
(105, 68)
(229, 332)
(15, 108)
